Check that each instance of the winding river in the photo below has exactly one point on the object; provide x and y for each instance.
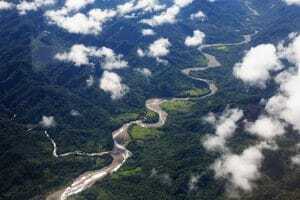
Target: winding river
(121, 137)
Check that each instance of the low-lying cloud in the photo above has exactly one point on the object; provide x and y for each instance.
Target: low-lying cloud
(144, 71)
(266, 127)
(195, 40)
(80, 55)
(257, 65)
(147, 32)
(47, 122)
(112, 83)
(240, 170)
(158, 49)
(225, 126)
(198, 15)
(72, 20)
(292, 2)
(25, 6)
(169, 15)
(6, 5)
(281, 110)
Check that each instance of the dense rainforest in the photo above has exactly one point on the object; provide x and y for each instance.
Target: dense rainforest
(33, 84)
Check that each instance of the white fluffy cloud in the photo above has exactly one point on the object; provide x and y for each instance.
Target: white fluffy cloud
(6, 5)
(296, 159)
(169, 15)
(266, 127)
(93, 21)
(292, 2)
(48, 122)
(24, 6)
(135, 5)
(196, 39)
(140, 52)
(198, 15)
(112, 83)
(147, 32)
(110, 59)
(283, 108)
(78, 4)
(240, 170)
(285, 104)
(144, 71)
(90, 23)
(159, 48)
(257, 65)
(292, 51)
(225, 126)
(80, 54)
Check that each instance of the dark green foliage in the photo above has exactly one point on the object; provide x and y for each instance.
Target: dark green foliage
(33, 84)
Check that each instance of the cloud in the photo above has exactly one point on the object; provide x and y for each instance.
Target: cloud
(159, 48)
(80, 23)
(296, 159)
(182, 3)
(285, 104)
(283, 108)
(80, 54)
(169, 15)
(240, 170)
(24, 6)
(196, 39)
(112, 83)
(135, 5)
(257, 65)
(292, 2)
(225, 126)
(144, 71)
(72, 5)
(147, 32)
(6, 5)
(292, 51)
(198, 15)
(93, 21)
(48, 122)
(140, 52)
(266, 127)
(110, 59)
